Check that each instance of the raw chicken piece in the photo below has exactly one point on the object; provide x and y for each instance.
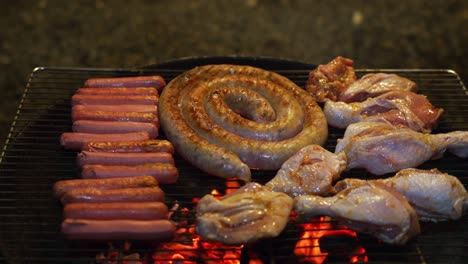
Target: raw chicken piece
(370, 208)
(396, 108)
(382, 148)
(250, 213)
(312, 170)
(375, 84)
(435, 196)
(328, 81)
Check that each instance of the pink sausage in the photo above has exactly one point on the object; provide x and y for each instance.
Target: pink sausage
(63, 186)
(121, 210)
(136, 81)
(114, 127)
(75, 141)
(90, 99)
(133, 195)
(155, 145)
(155, 230)
(126, 159)
(117, 108)
(115, 116)
(119, 91)
(163, 173)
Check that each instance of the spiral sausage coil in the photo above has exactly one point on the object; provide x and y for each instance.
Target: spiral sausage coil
(228, 119)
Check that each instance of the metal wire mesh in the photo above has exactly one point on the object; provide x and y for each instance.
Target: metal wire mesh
(32, 160)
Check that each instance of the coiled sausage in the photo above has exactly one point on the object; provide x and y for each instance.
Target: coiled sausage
(226, 119)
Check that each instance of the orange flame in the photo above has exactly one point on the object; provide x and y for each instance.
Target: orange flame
(191, 248)
(308, 246)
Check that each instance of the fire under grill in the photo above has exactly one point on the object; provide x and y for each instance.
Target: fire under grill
(33, 160)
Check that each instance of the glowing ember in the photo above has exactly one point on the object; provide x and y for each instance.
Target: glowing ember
(232, 186)
(190, 248)
(308, 246)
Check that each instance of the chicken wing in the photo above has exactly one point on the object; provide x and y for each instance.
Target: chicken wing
(250, 213)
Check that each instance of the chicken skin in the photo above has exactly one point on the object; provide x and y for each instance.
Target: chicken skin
(310, 171)
(375, 84)
(370, 208)
(396, 108)
(435, 196)
(251, 213)
(382, 148)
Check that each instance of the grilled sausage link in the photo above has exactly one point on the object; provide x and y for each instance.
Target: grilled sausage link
(164, 173)
(93, 195)
(120, 210)
(75, 140)
(210, 127)
(63, 186)
(136, 81)
(91, 99)
(154, 230)
(119, 91)
(114, 127)
(156, 145)
(117, 108)
(126, 159)
(115, 116)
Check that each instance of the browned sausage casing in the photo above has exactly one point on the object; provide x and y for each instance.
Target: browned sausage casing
(126, 159)
(206, 122)
(154, 230)
(134, 81)
(114, 127)
(63, 186)
(119, 91)
(164, 173)
(117, 108)
(156, 145)
(115, 116)
(93, 195)
(91, 99)
(75, 140)
(121, 210)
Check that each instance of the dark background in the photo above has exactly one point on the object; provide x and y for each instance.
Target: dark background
(121, 33)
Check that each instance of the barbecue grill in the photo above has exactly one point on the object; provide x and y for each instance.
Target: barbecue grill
(32, 160)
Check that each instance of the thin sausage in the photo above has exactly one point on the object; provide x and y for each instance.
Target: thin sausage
(121, 210)
(154, 230)
(155, 145)
(75, 141)
(118, 91)
(93, 195)
(117, 108)
(127, 159)
(136, 81)
(89, 99)
(163, 173)
(115, 116)
(114, 127)
(63, 186)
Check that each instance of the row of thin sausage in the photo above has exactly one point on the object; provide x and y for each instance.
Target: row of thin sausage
(130, 208)
(115, 126)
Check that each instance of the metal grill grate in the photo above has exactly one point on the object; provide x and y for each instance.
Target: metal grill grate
(32, 160)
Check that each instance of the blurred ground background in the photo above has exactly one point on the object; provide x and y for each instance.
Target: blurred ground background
(120, 33)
